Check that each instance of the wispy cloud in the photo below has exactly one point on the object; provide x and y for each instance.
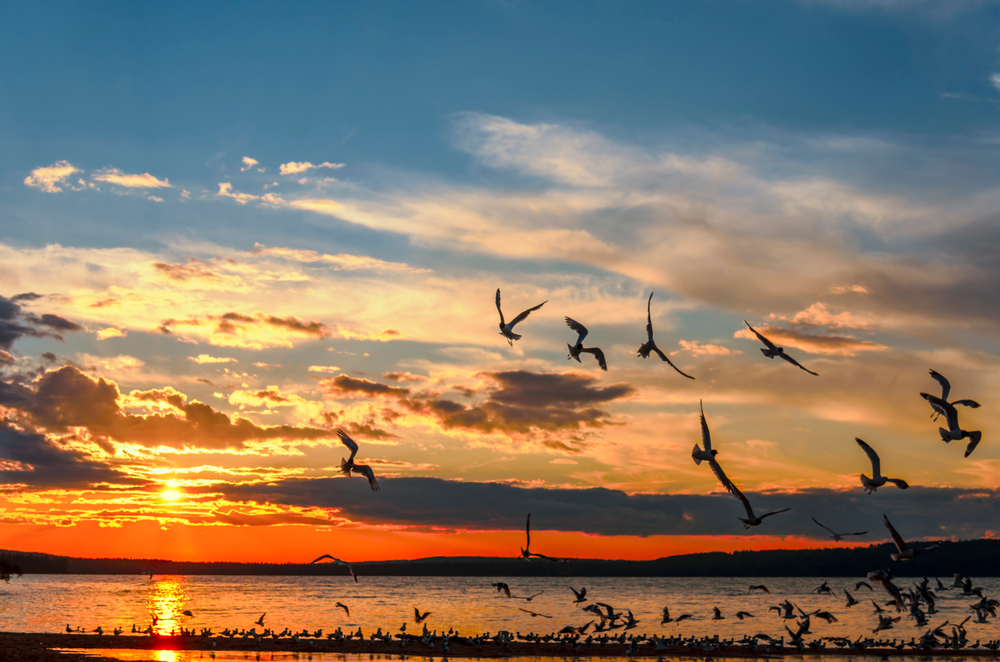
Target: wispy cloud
(294, 168)
(48, 179)
(119, 178)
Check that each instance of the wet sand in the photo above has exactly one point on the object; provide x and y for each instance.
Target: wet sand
(35, 647)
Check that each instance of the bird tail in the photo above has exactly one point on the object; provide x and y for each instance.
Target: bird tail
(866, 481)
(945, 435)
(514, 336)
(345, 467)
(694, 454)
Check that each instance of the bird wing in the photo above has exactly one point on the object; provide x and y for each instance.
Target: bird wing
(598, 354)
(506, 589)
(794, 362)
(706, 437)
(899, 482)
(770, 345)
(523, 316)
(825, 527)
(547, 558)
(649, 319)
(369, 474)
(527, 533)
(664, 357)
(775, 512)
(856, 533)
(945, 384)
(579, 328)
(974, 438)
(498, 307)
(578, 594)
(746, 502)
(325, 556)
(939, 405)
(872, 455)
(972, 404)
(350, 443)
(724, 479)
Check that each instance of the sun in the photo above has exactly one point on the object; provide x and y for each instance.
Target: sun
(170, 495)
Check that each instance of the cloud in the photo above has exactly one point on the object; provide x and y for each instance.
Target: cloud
(48, 179)
(268, 199)
(342, 261)
(116, 176)
(995, 80)
(706, 349)
(346, 386)
(323, 368)
(205, 358)
(254, 331)
(829, 345)
(293, 168)
(249, 163)
(110, 332)
(14, 322)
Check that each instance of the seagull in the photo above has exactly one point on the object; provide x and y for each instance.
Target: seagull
(533, 614)
(525, 553)
(581, 595)
(954, 431)
(753, 520)
(850, 599)
(945, 391)
(757, 587)
(528, 598)
(706, 455)
(578, 348)
(905, 553)
(858, 585)
(650, 346)
(667, 619)
(877, 480)
(773, 350)
(824, 588)
(885, 579)
(187, 612)
(837, 537)
(417, 616)
(341, 605)
(338, 562)
(507, 330)
(502, 587)
(718, 614)
(260, 621)
(744, 614)
(348, 465)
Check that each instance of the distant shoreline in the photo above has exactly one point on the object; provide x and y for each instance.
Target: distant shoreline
(976, 558)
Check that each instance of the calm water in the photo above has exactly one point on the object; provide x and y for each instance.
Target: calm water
(47, 603)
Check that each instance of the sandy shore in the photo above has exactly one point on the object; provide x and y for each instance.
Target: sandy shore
(34, 647)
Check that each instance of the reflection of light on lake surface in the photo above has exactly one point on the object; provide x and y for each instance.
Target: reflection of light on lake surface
(166, 656)
(166, 600)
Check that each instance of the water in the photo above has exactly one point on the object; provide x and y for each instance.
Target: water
(47, 603)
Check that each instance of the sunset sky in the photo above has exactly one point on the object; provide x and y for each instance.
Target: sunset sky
(226, 232)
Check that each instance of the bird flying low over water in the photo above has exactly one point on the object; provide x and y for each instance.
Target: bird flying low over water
(757, 587)
(418, 617)
(341, 605)
(507, 330)
(650, 346)
(260, 621)
(349, 465)
(905, 553)
(338, 562)
(526, 552)
(751, 519)
(885, 579)
(502, 587)
(667, 619)
(954, 432)
(578, 348)
(837, 537)
(877, 480)
(773, 350)
(534, 614)
(581, 595)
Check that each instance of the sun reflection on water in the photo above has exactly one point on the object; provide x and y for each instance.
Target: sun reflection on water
(165, 656)
(165, 601)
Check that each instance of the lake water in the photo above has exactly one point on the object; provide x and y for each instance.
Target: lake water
(48, 603)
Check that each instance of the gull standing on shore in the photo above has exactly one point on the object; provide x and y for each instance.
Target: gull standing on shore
(773, 350)
(507, 330)
(650, 346)
(349, 465)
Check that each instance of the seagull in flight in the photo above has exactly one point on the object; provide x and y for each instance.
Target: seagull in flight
(753, 520)
(581, 595)
(707, 454)
(525, 551)
(338, 562)
(757, 587)
(502, 587)
(945, 391)
(905, 553)
(837, 537)
(650, 346)
(773, 350)
(667, 619)
(578, 348)
(418, 617)
(877, 480)
(533, 614)
(507, 330)
(954, 431)
(260, 621)
(349, 465)
(341, 605)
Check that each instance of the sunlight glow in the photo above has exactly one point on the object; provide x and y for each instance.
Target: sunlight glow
(171, 495)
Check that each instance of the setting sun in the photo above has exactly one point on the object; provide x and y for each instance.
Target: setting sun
(171, 495)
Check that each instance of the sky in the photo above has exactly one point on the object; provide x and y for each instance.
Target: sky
(228, 232)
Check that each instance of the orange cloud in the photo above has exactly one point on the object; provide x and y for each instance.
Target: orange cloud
(48, 179)
(116, 176)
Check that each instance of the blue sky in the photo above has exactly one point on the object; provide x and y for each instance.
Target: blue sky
(256, 206)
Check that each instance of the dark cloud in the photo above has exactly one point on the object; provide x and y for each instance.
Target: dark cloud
(66, 398)
(233, 322)
(26, 296)
(57, 323)
(344, 385)
(6, 358)
(30, 458)
(917, 513)
(192, 270)
(16, 323)
(403, 377)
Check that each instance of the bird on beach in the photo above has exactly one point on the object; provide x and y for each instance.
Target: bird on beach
(526, 554)
(773, 350)
(877, 480)
(418, 617)
(837, 537)
(338, 562)
(954, 432)
(578, 348)
(502, 587)
(341, 605)
(507, 330)
(650, 346)
(905, 553)
(349, 465)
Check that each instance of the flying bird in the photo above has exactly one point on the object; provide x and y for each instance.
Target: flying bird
(187, 612)
(581, 595)
(945, 391)
(905, 553)
(700, 455)
(757, 587)
(418, 617)
(341, 605)
(751, 519)
(525, 551)
(744, 614)
(877, 480)
(837, 537)
(954, 431)
(260, 621)
(349, 465)
(338, 562)
(885, 579)
(507, 330)
(578, 348)
(650, 346)
(528, 598)
(502, 587)
(773, 350)
(534, 614)
(667, 619)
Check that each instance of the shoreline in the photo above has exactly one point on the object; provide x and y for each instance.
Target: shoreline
(32, 647)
